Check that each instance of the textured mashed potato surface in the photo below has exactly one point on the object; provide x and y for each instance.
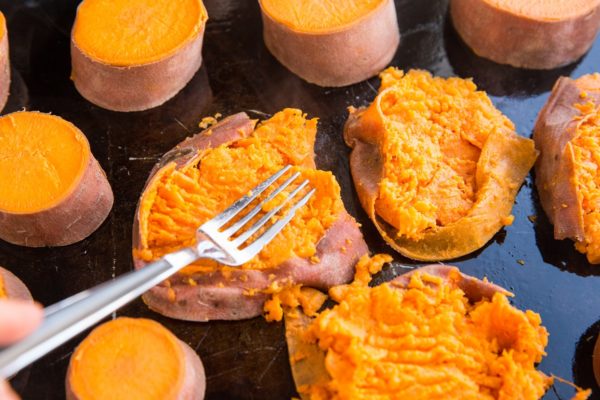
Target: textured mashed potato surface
(434, 131)
(586, 153)
(183, 199)
(426, 341)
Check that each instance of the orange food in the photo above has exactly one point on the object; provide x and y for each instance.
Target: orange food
(4, 63)
(59, 194)
(437, 162)
(3, 293)
(567, 133)
(134, 359)
(130, 55)
(425, 340)
(346, 41)
(537, 34)
(180, 200)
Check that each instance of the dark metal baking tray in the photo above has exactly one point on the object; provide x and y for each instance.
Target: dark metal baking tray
(248, 359)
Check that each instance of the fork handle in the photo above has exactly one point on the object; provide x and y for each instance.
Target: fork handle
(64, 320)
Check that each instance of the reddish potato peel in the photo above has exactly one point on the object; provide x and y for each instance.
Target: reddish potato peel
(218, 295)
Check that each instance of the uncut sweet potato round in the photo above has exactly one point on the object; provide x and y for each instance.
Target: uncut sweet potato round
(536, 34)
(503, 163)
(339, 55)
(135, 83)
(309, 369)
(221, 296)
(4, 63)
(556, 177)
(192, 383)
(12, 287)
(74, 213)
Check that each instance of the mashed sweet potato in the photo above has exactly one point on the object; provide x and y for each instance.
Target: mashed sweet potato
(435, 164)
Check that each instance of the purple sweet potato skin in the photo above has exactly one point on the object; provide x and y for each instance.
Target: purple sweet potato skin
(555, 169)
(14, 288)
(238, 295)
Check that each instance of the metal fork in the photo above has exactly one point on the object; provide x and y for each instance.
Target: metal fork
(227, 245)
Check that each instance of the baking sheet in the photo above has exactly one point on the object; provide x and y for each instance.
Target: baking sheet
(248, 359)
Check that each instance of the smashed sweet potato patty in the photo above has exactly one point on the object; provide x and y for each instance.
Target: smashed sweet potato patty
(182, 199)
(426, 341)
(437, 128)
(436, 166)
(586, 155)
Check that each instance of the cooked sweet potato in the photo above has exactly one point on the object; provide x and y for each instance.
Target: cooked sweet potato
(435, 164)
(566, 133)
(432, 334)
(4, 63)
(535, 34)
(331, 43)
(11, 287)
(131, 55)
(54, 191)
(205, 174)
(129, 359)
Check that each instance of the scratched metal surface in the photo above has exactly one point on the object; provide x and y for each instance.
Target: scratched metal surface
(248, 359)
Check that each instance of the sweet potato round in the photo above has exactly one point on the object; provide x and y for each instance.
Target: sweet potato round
(12, 287)
(74, 212)
(4, 63)
(125, 369)
(536, 34)
(224, 294)
(135, 84)
(336, 56)
(554, 133)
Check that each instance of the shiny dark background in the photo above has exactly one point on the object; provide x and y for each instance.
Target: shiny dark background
(248, 359)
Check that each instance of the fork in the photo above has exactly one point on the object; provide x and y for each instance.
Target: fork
(229, 245)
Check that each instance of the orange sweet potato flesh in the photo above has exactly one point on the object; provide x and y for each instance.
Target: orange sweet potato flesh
(132, 55)
(331, 43)
(535, 34)
(206, 173)
(566, 133)
(12, 287)
(4, 63)
(434, 333)
(131, 359)
(60, 194)
(435, 164)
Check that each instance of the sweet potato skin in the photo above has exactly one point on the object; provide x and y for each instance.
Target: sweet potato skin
(70, 221)
(194, 383)
(226, 298)
(310, 368)
(4, 70)
(523, 42)
(342, 57)
(555, 169)
(139, 87)
(15, 289)
(496, 173)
